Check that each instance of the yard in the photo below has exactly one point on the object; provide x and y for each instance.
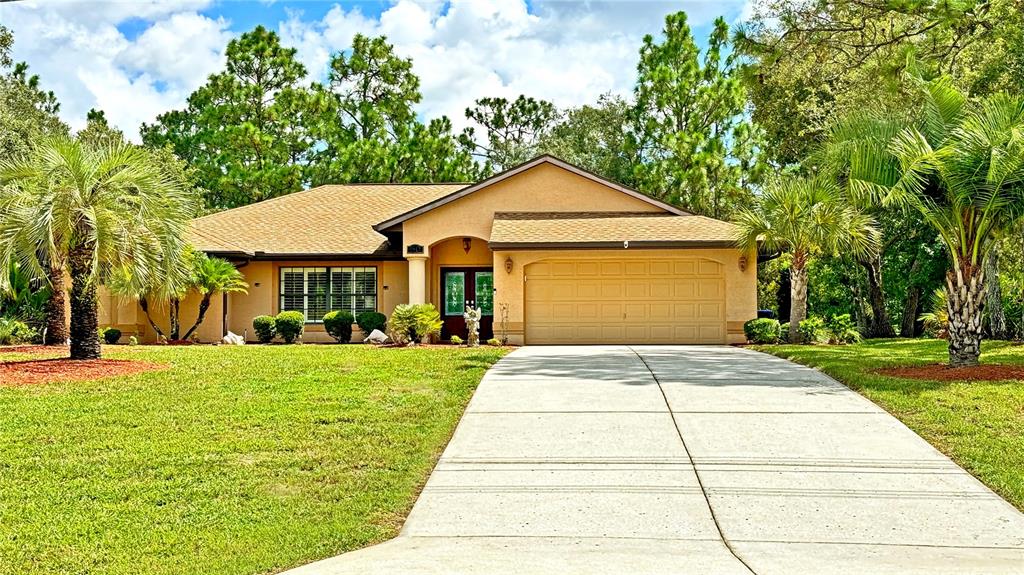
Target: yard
(979, 424)
(231, 460)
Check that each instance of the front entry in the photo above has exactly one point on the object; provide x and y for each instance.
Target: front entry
(461, 287)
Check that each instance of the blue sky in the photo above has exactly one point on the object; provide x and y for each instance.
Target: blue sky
(137, 59)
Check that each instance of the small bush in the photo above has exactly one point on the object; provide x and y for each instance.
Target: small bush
(111, 335)
(812, 330)
(371, 320)
(841, 330)
(784, 333)
(762, 331)
(338, 325)
(14, 332)
(133, 340)
(495, 342)
(265, 327)
(289, 325)
(456, 340)
(413, 322)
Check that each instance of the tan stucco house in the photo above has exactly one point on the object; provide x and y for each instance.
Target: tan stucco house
(551, 253)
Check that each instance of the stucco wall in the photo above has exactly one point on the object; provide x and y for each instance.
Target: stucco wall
(740, 286)
(545, 188)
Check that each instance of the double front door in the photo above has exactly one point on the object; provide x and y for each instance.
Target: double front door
(461, 287)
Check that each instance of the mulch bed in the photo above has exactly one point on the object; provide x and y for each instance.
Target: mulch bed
(60, 369)
(34, 349)
(941, 372)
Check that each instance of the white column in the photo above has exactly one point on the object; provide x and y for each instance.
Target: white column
(417, 279)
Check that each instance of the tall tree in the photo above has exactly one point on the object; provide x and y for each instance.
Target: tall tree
(593, 136)
(512, 130)
(807, 218)
(688, 114)
(961, 166)
(103, 208)
(247, 130)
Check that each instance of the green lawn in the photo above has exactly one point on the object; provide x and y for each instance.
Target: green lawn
(979, 424)
(234, 460)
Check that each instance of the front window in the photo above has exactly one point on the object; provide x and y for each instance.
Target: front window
(315, 291)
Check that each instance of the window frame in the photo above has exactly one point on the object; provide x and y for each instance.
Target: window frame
(328, 294)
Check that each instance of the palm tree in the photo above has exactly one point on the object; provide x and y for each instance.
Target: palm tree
(215, 275)
(961, 166)
(806, 217)
(106, 208)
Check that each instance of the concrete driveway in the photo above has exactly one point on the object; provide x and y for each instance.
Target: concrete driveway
(703, 460)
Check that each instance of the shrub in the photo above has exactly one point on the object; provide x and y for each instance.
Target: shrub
(289, 325)
(841, 330)
(784, 333)
(762, 331)
(494, 342)
(338, 325)
(812, 330)
(111, 335)
(133, 340)
(265, 327)
(13, 332)
(413, 322)
(456, 340)
(371, 320)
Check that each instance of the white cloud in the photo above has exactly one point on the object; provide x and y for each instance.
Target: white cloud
(566, 52)
(79, 53)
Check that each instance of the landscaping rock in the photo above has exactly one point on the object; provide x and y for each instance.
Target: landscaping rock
(376, 336)
(233, 339)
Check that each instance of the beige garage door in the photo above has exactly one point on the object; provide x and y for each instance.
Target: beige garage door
(625, 301)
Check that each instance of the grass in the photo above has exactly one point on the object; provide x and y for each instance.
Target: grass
(978, 424)
(233, 460)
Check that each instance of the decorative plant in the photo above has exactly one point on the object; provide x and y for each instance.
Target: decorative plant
(456, 340)
(494, 342)
(763, 331)
(338, 325)
(289, 325)
(936, 321)
(111, 335)
(503, 322)
(840, 329)
(411, 323)
(265, 327)
(371, 320)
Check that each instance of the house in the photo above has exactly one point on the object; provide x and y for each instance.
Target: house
(552, 254)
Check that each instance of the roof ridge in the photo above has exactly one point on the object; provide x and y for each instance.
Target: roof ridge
(523, 215)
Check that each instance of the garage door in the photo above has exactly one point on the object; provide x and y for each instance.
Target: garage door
(625, 301)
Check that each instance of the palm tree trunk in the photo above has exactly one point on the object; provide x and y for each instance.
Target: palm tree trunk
(175, 327)
(880, 325)
(204, 306)
(965, 287)
(85, 340)
(144, 304)
(798, 287)
(994, 301)
(56, 309)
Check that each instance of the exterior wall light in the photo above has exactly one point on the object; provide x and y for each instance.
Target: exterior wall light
(743, 263)
(467, 243)
(508, 264)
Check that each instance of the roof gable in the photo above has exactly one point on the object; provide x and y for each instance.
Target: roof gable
(512, 172)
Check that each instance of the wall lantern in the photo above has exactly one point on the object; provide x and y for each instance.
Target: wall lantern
(743, 263)
(467, 243)
(508, 264)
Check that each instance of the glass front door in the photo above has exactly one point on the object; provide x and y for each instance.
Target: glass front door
(462, 287)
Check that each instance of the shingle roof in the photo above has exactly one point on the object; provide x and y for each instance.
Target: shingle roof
(583, 228)
(335, 219)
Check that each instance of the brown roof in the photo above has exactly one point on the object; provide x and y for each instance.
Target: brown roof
(336, 219)
(599, 229)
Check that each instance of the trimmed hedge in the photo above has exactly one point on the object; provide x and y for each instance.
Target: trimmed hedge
(289, 325)
(111, 335)
(763, 331)
(338, 325)
(371, 320)
(265, 327)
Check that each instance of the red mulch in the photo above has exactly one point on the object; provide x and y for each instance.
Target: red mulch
(61, 369)
(941, 372)
(34, 349)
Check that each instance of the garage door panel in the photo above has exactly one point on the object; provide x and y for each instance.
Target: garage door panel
(658, 300)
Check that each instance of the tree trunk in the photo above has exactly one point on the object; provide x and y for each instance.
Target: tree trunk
(880, 325)
(994, 300)
(784, 295)
(908, 322)
(85, 339)
(798, 310)
(204, 306)
(144, 304)
(965, 287)
(175, 327)
(56, 310)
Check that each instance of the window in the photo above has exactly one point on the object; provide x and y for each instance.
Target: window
(316, 291)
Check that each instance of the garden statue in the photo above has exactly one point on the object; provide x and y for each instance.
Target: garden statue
(473, 316)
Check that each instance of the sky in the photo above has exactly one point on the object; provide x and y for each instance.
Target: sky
(138, 59)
